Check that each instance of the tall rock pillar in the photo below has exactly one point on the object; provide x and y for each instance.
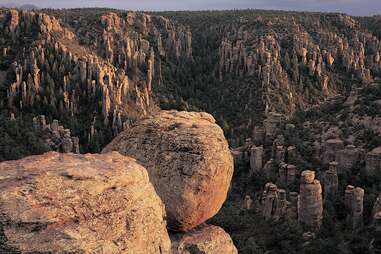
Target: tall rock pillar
(331, 181)
(310, 203)
(256, 158)
(354, 203)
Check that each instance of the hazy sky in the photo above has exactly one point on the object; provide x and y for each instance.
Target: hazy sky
(355, 7)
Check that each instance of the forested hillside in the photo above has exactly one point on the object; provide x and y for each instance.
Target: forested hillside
(237, 65)
(292, 91)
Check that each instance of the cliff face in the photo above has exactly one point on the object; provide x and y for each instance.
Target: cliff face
(55, 74)
(260, 62)
(299, 60)
(95, 76)
(97, 71)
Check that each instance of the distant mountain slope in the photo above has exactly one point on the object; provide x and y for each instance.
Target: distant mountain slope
(94, 75)
(249, 63)
(98, 70)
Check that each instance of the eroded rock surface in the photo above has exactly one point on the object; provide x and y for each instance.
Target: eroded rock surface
(373, 162)
(188, 160)
(205, 239)
(66, 203)
(310, 203)
(274, 203)
(354, 204)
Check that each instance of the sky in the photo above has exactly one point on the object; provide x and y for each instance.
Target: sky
(354, 7)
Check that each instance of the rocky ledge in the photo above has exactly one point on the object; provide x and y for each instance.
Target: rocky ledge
(66, 203)
(205, 239)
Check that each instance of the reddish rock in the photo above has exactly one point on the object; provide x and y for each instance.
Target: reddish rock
(66, 203)
(205, 239)
(188, 160)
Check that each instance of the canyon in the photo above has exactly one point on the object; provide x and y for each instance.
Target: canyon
(207, 132)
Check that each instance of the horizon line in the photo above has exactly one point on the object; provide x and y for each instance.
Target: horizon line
(13, 6)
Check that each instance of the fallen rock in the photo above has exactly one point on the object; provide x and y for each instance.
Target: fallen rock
(188, 160)
(205, 239)
(66, 203)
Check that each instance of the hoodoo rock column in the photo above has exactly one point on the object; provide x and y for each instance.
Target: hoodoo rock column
(310, 203)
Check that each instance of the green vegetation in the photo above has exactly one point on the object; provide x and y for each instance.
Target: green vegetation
(19, 139)
(288, 43)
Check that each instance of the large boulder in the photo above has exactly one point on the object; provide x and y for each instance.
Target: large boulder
(66, 203)
(188, 161)
(205, 239)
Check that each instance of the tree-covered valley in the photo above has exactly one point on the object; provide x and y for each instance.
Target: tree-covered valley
(297, 95)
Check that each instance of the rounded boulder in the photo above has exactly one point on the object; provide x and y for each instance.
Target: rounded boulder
(188, 161)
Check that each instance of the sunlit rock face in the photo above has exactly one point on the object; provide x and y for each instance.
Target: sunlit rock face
(205, 239)
(100, 70)
(188, 160)
(66, 203)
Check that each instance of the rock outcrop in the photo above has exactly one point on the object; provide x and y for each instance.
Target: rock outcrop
(256, 159)
(272, 122)
(101, 67)
(375, 246)
(274, 202)
(310, 203)
(66, 203)
(376, 207)
(293, 206)
(287, 174)
(248, 203)
(331, 148)
(205, 239)
(57, 138)
(354, 203)
(57, 71)
(349, 157)
(373, 162)
(279, 67)
(331, 181)
(188, 160)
